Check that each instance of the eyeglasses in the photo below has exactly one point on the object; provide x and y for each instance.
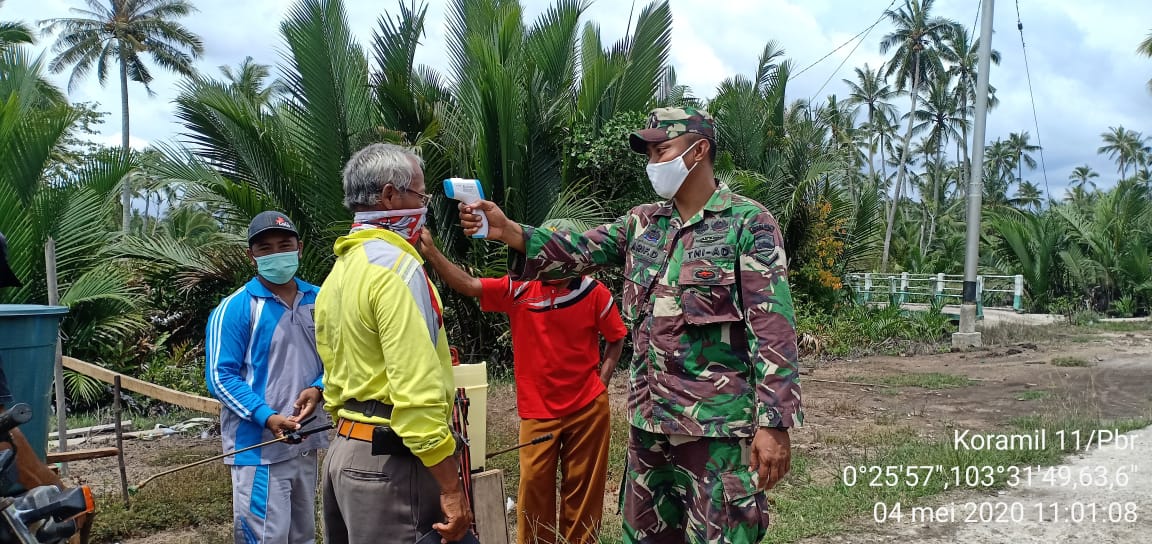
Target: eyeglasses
(425, 199)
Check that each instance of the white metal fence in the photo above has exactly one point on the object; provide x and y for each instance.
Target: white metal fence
(904, 288)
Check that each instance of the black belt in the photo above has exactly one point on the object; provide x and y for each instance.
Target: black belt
(370, 408)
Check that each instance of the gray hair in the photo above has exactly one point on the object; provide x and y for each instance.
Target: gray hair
(375, 166)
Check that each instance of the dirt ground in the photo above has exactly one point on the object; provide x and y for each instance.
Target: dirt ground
(1115, 384)
(1011, 380)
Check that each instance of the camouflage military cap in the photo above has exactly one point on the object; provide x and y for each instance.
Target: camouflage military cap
(667, 123)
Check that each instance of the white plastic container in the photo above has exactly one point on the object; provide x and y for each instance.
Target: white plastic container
(474, 380)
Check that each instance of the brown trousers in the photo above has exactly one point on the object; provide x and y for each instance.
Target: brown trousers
(580, 448)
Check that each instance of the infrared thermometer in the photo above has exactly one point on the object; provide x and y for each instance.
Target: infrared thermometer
(468, 191)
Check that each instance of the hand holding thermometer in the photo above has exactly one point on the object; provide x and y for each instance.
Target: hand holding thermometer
(468, 191)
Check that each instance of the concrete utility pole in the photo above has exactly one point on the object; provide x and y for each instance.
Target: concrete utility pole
(967, 337)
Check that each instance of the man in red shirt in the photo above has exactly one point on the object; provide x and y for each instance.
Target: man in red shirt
(561, 388)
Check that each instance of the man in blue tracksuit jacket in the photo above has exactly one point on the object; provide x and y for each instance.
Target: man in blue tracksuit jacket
(264, 369)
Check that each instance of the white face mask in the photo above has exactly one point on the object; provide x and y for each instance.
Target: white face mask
(668, 176)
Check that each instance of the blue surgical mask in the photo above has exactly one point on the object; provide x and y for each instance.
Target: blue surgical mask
(278, 268)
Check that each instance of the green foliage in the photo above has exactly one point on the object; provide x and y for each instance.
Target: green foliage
(82, 391)
(613, 171)
(1124, 306)
(858, 330)
(1070, 362)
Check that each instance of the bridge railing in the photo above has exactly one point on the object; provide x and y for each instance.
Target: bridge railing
(903, 288)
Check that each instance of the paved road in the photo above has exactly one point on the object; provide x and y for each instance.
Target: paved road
(1122, 516)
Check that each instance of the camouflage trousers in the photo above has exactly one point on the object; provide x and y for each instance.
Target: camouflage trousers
(690, 489)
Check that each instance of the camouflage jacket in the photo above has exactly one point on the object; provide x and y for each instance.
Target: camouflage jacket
(709, 307)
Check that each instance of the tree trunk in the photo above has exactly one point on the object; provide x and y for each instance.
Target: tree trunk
(1019, 166)
(901, 167)
(937, 193)
(58, 365)
(147, 210)
(156, 222)
(884, 174)
(871, 145)
(126, 189)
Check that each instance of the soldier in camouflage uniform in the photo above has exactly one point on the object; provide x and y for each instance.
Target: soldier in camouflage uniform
(714, 387)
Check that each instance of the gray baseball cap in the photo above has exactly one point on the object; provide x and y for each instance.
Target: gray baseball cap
(270, 220)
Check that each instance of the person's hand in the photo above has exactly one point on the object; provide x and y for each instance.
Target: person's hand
(280, 425)
(457, 515)
(426, 241)
(771, 456)
(497, 221)
(306, 403)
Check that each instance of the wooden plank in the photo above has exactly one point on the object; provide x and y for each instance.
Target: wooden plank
(491, 515)
(81, 455)
(107, 438)
(55, 444)
(73, 433)
(171, 396)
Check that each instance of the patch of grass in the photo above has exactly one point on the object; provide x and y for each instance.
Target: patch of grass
(1006, 334)
(805, 508)
(1122, 326)
(1069, 362)
(926, 380)
(1034, 394)
(140, 421)
(196, 497)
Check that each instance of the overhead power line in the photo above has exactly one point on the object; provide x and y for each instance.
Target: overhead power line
(850, 40)
(1035, 118)
(848, 56)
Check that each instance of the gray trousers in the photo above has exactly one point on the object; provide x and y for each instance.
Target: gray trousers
(276, 503)
(381, 499)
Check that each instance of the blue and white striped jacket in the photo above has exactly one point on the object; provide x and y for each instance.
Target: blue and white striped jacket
(261, 355)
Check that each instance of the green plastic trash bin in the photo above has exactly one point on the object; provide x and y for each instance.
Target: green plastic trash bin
(28, 352)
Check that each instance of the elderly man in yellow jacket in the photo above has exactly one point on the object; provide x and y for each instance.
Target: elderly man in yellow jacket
(387, 367)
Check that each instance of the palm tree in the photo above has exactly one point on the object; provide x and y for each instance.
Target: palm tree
(871, 92)
(1028, 196)
(1145, 49)
(1018, 143)
(70, 214)
(504, 120)
(962, 53)
(1112, 242)
(250, 78)
(999, 163)
(14, 32)
(1031, 245)
(915, 38)
(1082, 176)
(121, 31)
(1124, 146)
(939, 119)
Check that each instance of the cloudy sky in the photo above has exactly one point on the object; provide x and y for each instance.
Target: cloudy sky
(1085, 73)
